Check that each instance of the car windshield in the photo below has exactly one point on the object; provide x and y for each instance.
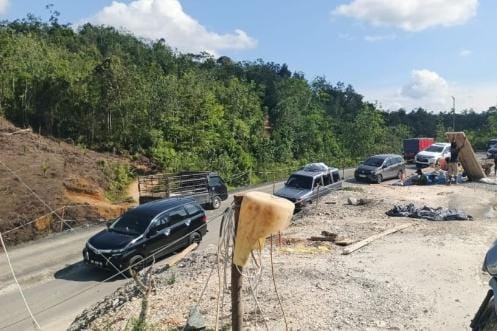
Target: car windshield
(299, 181)
(374, 162)
(435, 149)
(131, 223)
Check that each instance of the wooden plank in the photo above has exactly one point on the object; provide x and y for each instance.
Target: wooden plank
(467, 156)
(369, 240)
(181, 255)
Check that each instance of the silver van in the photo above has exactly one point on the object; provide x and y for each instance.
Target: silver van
(306, 185)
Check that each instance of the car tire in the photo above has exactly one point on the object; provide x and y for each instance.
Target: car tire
(379, 179)
(136, 263)
(195, 237)
(216, 202)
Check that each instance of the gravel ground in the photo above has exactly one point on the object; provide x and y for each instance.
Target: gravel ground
(426, 277)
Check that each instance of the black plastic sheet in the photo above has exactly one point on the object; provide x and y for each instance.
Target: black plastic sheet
(432, 214)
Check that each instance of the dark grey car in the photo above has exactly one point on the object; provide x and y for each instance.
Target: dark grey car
(380, 167)
(304, 187)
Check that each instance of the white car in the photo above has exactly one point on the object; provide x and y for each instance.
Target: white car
(430, 155)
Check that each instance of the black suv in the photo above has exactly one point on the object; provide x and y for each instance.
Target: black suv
(159, 227)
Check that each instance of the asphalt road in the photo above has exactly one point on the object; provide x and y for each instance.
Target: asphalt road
(56, 283)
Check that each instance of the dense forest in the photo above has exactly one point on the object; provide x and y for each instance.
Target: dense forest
(111, 91)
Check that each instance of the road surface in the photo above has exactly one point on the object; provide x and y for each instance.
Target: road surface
(56, 283)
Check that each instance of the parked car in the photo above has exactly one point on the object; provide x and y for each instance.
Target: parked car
(159, 227)
(492, 151)
(207, 188)
(413, 146)
(491, 143)
(430, 156)
(380, 167)
(308, 184)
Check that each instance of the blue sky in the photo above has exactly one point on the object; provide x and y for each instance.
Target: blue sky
(401, 53)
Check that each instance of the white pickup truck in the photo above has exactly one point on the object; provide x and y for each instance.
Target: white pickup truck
(430, 155)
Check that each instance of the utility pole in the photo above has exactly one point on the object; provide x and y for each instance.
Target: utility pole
(453, 114)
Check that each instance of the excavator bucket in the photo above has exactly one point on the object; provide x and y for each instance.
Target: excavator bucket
(467, 156)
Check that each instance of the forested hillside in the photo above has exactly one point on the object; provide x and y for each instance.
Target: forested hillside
(111, 91)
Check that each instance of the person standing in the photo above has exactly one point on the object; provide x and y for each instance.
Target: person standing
(454, 158)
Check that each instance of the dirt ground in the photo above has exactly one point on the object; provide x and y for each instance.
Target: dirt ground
(426, 277)
(59, 173)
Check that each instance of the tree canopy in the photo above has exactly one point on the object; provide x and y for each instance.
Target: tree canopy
(112, 91)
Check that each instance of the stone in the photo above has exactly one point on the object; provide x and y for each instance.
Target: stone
(195, 320)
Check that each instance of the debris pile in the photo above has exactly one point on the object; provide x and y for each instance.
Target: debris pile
(432, 214)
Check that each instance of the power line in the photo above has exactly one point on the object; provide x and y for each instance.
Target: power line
(35, 322)
(34, 193)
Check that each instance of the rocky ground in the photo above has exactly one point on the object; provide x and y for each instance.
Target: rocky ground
(426, 277)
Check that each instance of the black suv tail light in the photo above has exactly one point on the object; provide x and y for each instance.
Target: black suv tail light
(204, 219)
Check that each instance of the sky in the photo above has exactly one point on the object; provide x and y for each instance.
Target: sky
(397, 53)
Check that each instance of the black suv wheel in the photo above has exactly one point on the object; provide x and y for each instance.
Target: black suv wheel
(195, 238)
(136, 263)
(216, 202)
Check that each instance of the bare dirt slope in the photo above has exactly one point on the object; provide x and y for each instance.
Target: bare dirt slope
(59, 173)
(426, 277)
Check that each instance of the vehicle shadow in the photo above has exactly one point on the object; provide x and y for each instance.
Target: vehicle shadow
(81, 272)
(354, 181)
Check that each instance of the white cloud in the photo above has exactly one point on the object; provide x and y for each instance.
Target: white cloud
(410, 15)
(377, 38)
(156, 19)
(465, 52)
(3, 6)
(426, 85)
(429, 90)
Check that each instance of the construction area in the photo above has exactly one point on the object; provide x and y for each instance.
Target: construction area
(387, 256)
(425, 276)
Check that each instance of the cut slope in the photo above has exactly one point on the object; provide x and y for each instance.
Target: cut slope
(58, 173)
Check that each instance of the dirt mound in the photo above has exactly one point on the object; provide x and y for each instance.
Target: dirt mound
(40, 174)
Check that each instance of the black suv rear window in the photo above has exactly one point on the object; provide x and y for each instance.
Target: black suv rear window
(177, 215)
(192, 209)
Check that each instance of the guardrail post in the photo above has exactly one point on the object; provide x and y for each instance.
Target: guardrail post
(236, 279)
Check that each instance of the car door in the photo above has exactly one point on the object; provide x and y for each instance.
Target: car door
(158, 236)
(196, 217)
(317, 187)
(327, 183)
(179, 223)
(392, 168)
(386, 169)
(218, 187)
(337, 182)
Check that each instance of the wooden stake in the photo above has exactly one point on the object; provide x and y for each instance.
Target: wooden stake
(236, 280)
